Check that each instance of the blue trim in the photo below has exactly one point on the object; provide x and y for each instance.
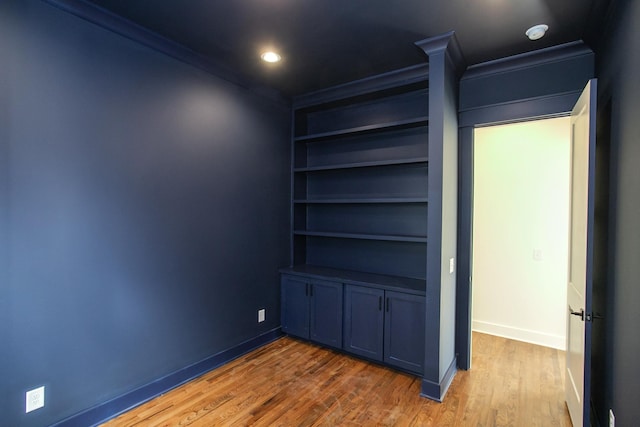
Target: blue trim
(542, 106)
(446, 64)
(449, 375)
(437, 391)
(527, 60)
(114, 407)
(465, 230)
(445, 43)
(121, 26)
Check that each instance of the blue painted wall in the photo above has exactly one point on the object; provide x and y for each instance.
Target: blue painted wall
(617, 347)
(143, 213)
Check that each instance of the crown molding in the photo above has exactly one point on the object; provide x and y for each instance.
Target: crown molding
(530, 59)
(137, 33)
(447, 43)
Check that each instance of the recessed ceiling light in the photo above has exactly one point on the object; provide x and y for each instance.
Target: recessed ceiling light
(537, 31)
(270, 57)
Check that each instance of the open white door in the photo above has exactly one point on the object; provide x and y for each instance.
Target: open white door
(579, 315)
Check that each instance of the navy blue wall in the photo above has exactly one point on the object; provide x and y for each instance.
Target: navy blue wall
(143, 213)
(617, 348)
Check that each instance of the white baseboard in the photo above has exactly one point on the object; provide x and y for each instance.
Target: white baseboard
(533, 337)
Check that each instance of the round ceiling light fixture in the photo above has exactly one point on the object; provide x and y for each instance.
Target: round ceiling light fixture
(270, 56)
(537, 31)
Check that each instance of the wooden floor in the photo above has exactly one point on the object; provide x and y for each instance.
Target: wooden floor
(291, 383)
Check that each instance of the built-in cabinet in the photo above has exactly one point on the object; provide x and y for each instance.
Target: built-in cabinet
(386, 326)
(312, 309)
(379, 324)
(359, 209)
(364, 321)
(373, 210)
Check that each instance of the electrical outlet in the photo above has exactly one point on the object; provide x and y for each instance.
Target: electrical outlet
(537, 254)
(261, 315)
(612, 419)
(34, 399)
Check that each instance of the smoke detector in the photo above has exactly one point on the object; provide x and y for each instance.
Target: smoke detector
(537, 31)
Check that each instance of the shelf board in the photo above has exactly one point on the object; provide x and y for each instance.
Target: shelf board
(417, 286)
(385, 237)
(373, 200)
(414, 122)
(364, 164)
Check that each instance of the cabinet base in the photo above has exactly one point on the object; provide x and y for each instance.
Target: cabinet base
(356, 356)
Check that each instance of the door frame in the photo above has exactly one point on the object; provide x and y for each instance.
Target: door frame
(519, 111)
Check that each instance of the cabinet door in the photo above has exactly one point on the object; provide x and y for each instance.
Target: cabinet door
(404, 331)
(326, 313)
(363, 323)
(295, 307)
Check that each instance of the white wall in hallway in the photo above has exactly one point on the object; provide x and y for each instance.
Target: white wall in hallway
(520, 230)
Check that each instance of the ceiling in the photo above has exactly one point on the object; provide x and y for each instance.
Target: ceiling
(328, 42)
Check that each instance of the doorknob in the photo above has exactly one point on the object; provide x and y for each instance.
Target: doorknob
(577, 313)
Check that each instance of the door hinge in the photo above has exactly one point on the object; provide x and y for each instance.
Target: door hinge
(590, 317)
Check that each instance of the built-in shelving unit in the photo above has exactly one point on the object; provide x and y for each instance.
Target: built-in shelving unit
(378, 127)
(374, 217)
(390, 238)
(363, 164)
(364, 201)
(360, 179)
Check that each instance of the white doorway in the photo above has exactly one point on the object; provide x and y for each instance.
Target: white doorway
(521, 188)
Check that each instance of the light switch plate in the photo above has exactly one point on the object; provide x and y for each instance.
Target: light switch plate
(451, 265)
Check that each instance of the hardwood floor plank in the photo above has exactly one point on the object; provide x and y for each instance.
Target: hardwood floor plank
(294, 383)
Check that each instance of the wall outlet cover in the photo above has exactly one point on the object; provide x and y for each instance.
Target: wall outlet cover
(261, 315)
(34, 399)
(537, 254)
